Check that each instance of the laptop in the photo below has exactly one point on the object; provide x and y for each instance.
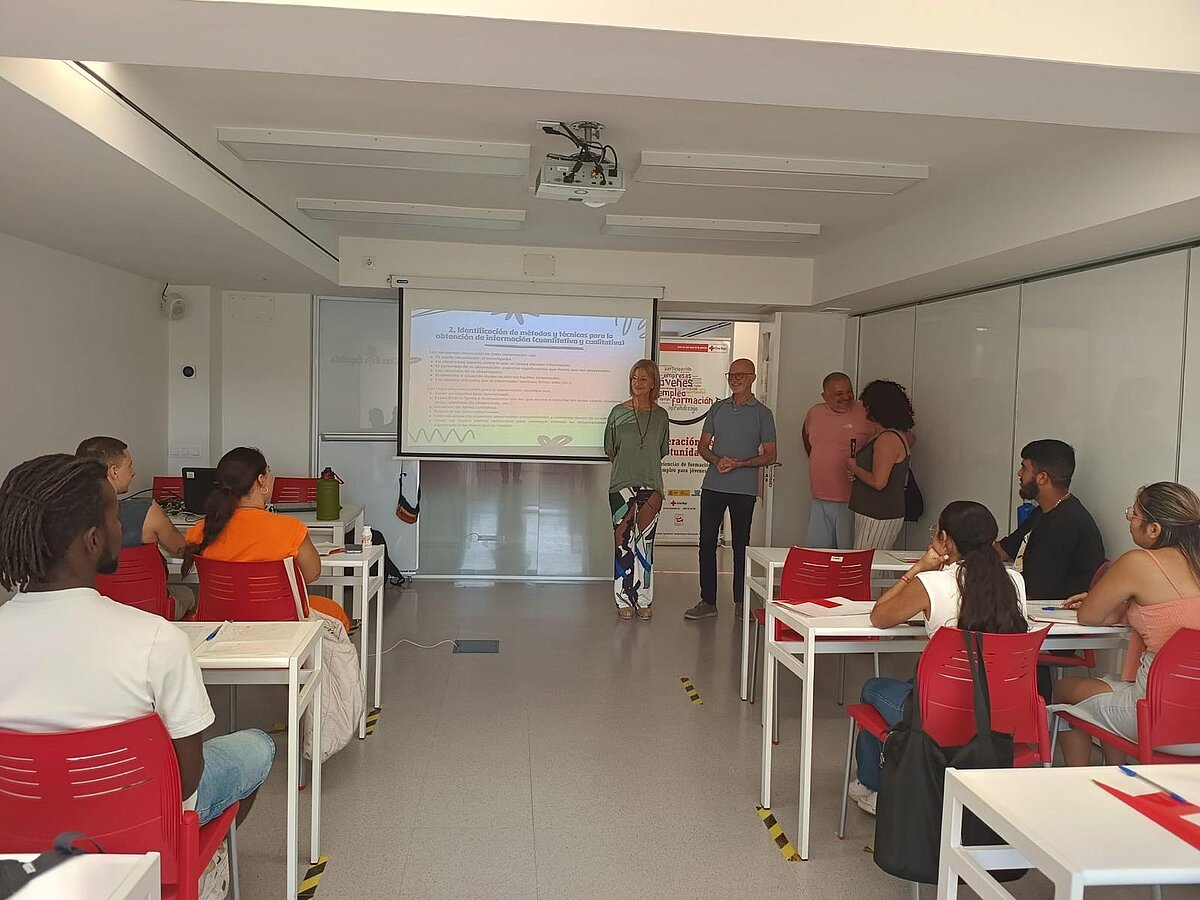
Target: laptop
(197, 485)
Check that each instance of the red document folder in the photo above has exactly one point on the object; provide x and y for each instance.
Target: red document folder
(1161, 808)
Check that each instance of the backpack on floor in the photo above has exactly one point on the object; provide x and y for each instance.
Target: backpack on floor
(390, 570)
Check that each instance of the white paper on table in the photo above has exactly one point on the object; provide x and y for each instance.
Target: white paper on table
(845, 607)
(251, 639)
(324, 548)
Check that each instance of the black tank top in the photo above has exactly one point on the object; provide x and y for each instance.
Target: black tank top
(887, 503)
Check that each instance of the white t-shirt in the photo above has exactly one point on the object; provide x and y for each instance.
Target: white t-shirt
(944, 598)
(75, 659)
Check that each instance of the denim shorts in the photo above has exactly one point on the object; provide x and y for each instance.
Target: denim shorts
(235, 765)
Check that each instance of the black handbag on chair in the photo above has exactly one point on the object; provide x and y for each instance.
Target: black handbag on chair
(908, 821)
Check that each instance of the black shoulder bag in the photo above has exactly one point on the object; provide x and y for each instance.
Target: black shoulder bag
(908, 822)
(14, 875)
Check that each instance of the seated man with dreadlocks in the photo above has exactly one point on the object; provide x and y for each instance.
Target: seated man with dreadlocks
(75, 659)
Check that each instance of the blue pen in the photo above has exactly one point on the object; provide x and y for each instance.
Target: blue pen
(215, 633)
(1052, 608)
(1154, 784)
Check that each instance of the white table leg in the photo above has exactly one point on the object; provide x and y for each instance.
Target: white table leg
(952, 817)
(314, 849)
(364, 644)
(806, 745)
(379, 635)
(768, 703)
(293, 776)
(745, 694)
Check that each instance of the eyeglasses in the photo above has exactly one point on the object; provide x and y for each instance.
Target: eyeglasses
(934, 531)
(738, 376)
(1131, 513)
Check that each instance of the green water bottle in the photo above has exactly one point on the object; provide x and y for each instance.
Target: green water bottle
(329, 496)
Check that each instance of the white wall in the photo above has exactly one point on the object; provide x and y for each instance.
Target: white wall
(82, 352)
(727, 281)
(189, 417)
(964, 370)
(1095, 358)
(810, 347)
(1101, 358)
(266, 378)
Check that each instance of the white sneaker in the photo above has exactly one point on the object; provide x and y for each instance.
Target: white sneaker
(867, 803)
(214, 881)
(858, 790)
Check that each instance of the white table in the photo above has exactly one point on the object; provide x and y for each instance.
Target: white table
(1084, 837)
(351, 515)
(298, 664)
(367, 588)
(820, 637)
(95, 876)
(771, 559)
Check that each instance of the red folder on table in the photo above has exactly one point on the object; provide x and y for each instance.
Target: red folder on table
(1161, 808)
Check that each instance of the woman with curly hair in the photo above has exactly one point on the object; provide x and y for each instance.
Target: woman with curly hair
(879, 469)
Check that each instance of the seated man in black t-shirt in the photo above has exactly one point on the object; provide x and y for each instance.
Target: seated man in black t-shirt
(1058, 548)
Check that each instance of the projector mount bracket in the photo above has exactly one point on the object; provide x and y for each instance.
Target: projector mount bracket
(590, 151)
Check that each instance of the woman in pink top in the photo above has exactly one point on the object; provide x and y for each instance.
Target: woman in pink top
(1156, 589)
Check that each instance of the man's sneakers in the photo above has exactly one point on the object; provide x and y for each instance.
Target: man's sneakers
(702, 610)
(863, 796)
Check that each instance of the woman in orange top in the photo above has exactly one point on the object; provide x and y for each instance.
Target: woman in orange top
(238, 528)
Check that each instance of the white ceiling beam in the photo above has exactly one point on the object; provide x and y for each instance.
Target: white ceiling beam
(388, 212)
(709, 229)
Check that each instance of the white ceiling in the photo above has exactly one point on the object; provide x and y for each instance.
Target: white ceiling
(64, 188)
(961, 153)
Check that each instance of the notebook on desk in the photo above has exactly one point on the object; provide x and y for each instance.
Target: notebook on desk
(844, 607)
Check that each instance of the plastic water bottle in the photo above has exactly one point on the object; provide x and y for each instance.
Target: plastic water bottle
(1024, 511)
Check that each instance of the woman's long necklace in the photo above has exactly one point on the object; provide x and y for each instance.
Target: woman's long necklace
(642, 432)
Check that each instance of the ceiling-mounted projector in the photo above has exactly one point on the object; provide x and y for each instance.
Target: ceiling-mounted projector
(591, 176)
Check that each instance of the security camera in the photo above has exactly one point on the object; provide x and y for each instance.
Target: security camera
(173, 306)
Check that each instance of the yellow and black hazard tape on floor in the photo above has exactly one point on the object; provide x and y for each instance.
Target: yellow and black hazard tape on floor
(278, 728)
(692, 693)
(355, 624)
(775, 830)
(308, 886)
(372, 718)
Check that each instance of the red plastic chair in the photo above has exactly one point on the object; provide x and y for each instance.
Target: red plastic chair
(140, 581)
(946, 692)
(294, 490)
(250, 591)
(1170, 712)
(119, 785)
(1087, 658)
(164, 486)
(810, 576)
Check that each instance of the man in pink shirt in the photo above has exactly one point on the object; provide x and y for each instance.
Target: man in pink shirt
(829, 428)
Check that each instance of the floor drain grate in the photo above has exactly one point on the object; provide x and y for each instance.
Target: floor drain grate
(461, 646)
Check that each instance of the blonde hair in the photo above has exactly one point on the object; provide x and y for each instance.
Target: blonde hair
(1176, 509)
(650, 367)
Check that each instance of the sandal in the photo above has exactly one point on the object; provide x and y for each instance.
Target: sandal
(644, 613)
(624, 612)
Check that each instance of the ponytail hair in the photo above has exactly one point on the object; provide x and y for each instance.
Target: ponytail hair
(237, 473)
(1176, 509)
(988, 598)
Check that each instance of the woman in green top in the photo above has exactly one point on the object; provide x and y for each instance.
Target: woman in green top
(636, 440)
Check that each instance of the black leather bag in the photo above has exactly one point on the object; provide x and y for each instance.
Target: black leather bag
(908, 822)
(15, 875)
(914, 500)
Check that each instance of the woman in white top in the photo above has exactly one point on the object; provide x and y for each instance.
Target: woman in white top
(960, 582)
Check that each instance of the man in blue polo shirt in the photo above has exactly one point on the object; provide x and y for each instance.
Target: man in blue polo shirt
(738, 438)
